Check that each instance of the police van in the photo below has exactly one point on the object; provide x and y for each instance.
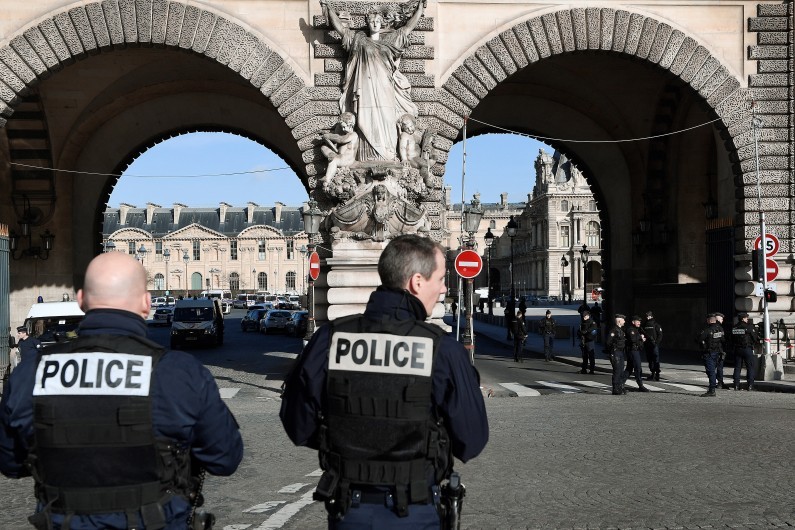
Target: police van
(199, 321)
(52, 322)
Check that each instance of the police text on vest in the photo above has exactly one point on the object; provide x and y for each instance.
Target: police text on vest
(381, 353)
(93, 373)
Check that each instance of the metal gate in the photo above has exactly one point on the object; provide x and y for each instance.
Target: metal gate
(720, 267)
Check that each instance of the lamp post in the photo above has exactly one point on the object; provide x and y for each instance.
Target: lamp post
(186, 259)
(312, 215)
(254, 286)
(488, 239)
(563, 263)
(140, 254)
(166, 257)
(110, 246)
(584, 256)
(472, 216)
(304, 252)
(512, 228)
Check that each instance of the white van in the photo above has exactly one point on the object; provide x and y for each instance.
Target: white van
(244, 301)
(53, 322)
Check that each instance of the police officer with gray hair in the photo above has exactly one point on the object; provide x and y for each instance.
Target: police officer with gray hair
(114, 428)
(711, 341)
(615, 346)
(387, 399)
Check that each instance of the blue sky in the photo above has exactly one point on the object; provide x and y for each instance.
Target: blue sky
(175, 171)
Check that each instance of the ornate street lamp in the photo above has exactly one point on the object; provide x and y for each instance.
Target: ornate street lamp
(488, 239)
(166, 257)
(584, 256)
(186, 259)
(141, 254)
(109, 246)
(312, 216)
(563, 263)
(512, 228)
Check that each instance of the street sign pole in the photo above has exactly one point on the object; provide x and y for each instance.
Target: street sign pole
(468, 264)
(756, 122)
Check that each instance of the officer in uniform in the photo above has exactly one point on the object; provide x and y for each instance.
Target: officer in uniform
(28, 346)
(387, 399)
(615, 345)
(722, 354)
(635, 340)
(653, 333)
(711, 341)
(744, 337)
(547, 328)
(113, 428)
(587, 334)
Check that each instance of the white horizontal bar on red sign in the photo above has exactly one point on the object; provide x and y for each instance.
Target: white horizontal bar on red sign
(468, 264)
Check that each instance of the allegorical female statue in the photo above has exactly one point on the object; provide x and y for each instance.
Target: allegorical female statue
(374, 89)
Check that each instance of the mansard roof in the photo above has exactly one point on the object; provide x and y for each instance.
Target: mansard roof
(235, 220)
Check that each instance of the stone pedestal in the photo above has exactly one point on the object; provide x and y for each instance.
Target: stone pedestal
(351, 274)
(770, 368)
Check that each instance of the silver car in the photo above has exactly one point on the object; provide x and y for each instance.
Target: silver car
(274, 320)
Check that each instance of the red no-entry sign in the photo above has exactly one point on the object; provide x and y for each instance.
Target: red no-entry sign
(771, 270)
(468, 264)
(314, 266)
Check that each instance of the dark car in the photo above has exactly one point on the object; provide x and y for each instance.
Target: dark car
(251, 320)
(274, 320)
(296, 326)
(163, 315)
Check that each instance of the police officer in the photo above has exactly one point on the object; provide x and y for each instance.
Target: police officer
(722, 354)
(711, 341)
(28, 346)
(587, 334)
(635, 340)
(387, 399)
(547, 327)
(110, 425)
(614, 346)
(744, 337)
(519, 336)
(653, 333)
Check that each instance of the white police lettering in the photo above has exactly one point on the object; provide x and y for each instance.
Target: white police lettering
(381, 353)
(93, 373)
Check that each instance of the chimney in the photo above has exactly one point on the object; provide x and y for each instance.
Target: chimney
(150, 212)
(503, 200)
(177, 210)
(277, 212)
(222, 208)
(124, 209)
(250, 211)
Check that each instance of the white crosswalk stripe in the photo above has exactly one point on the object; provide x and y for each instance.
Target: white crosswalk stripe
(595, 384)
(228, 393)
(689, 388)
(566, 389)
(521, 390)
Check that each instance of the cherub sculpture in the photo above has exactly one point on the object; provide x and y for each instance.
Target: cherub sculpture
(340, 149)
(415, 152)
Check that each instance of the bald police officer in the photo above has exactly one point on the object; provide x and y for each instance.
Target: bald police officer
(112, 427)
(387, 399)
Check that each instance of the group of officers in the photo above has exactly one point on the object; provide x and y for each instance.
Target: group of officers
(712, 341)
(117, 431)
(624, 344)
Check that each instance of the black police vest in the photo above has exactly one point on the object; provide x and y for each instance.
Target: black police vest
(380, 427)
(714, 342)
(742, 336)
(94, 447)
(635, 339)
(587, 329)
(617, 340)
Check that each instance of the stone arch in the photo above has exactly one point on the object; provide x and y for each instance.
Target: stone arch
(87, 29)
(594, 29)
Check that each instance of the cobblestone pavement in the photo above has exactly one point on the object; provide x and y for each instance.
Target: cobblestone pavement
(554, 461)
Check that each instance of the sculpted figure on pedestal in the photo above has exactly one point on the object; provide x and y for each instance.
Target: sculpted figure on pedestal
(374, 89)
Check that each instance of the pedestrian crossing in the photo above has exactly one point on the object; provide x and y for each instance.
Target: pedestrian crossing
(538, 388)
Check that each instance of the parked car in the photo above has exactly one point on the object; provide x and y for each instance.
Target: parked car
(252, 318)
(296, 326)
(163, 315)
(274, 320)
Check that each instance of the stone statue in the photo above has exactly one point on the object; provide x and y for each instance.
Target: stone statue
(374, 89)
(415, 152)
(340, 149)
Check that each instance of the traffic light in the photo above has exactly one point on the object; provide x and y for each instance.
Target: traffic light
(770, 296)
(757, 264)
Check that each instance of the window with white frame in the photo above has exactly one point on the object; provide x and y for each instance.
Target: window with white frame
(234, 281)
(289, 281)
(262, 249)
(160, 282)
(565, 236)
(197, 251)
(262, 281)
(592, 234)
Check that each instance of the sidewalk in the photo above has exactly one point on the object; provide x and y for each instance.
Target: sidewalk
(676, 366)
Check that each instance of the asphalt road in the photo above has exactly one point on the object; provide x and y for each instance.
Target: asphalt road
(556, 459)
